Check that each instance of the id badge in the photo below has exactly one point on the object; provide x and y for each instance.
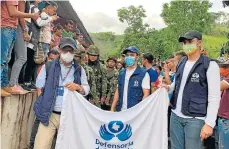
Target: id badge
(60, 91)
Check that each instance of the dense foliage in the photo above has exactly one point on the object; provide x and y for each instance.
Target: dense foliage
(179, 16)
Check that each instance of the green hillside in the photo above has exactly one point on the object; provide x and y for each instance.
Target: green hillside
(111, 47)
(107, 46)
(213, 44)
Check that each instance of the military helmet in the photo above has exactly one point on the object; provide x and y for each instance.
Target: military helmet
(80, 54)
(77, 53)
(93, 50)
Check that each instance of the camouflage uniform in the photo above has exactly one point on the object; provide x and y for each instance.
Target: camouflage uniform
(92, 83)
(91, 80)
(112, 81)
(100, 74)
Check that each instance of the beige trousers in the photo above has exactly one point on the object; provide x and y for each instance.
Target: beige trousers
(45, 134)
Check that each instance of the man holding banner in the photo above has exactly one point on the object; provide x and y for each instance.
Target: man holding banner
(196, 96)
(64, 73)
(133, 82)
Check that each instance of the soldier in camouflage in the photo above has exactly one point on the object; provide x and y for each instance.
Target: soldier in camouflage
(99, 71)
(80, 57)
(112, 75)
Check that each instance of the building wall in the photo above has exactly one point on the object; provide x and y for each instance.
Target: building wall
(17, 119)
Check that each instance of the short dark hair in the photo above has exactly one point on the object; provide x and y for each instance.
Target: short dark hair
(149, 57)
(159, 67)
(69, 22)
(55, 52)
(77, 31)
(58, 26)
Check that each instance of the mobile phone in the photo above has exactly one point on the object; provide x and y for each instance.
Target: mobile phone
(41, 5)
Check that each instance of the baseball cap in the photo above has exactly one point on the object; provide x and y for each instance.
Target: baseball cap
(131, 49)
(190, 35)
(77, 31)
(66, 41)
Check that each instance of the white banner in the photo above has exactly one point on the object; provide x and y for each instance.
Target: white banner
(84, 126)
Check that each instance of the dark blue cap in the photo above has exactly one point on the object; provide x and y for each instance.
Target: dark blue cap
(131, 49)
(190, 35)
(66, 41)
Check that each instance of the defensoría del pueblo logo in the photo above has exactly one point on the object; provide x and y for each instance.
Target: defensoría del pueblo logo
(112, 130)
(116, 129)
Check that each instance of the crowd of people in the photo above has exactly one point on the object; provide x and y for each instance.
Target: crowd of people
(49, 58)
(29, 38)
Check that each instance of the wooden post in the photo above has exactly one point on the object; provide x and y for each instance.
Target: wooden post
(17, 119)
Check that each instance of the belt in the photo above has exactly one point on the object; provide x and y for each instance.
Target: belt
(59, 113)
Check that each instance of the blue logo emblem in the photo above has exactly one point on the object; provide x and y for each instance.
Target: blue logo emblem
(116, 129)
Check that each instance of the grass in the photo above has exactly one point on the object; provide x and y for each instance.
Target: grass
(213, 44)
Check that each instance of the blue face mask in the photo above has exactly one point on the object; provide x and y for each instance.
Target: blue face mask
(130, 61)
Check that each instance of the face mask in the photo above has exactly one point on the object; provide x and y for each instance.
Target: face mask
(67, 57)
(190, 49)
(224, 72)
(130, 61)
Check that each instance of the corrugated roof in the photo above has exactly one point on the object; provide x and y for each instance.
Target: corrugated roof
(66, 12)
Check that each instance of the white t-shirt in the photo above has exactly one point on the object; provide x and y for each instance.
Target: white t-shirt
(213, 78)
(45, 33)
(145, 85)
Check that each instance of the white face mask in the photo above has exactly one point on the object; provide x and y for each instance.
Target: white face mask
(67, 57)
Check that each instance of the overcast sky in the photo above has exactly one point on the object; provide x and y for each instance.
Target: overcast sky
(101, 15)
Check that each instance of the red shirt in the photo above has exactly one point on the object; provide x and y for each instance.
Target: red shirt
(6, 20)
(224, 103)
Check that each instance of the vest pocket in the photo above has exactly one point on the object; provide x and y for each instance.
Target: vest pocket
(198, 106)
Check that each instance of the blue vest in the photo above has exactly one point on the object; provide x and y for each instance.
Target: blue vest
(135, 93)
(195, 95)
(44, 105)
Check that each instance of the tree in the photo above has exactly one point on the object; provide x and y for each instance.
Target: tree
(159, 42)
(182, 16)
(133, 16)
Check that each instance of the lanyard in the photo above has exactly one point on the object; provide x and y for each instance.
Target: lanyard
(63, 79)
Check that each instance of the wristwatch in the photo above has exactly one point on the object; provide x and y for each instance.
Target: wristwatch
(26, 30)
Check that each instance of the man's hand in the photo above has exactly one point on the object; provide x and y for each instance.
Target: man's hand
(92, 101)
(55, 17)
(166, 68)
(165, 86)
(35, 16)
(26, 36)
(102, 100)
(107, 100)
(72, 86)
(206, 131)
